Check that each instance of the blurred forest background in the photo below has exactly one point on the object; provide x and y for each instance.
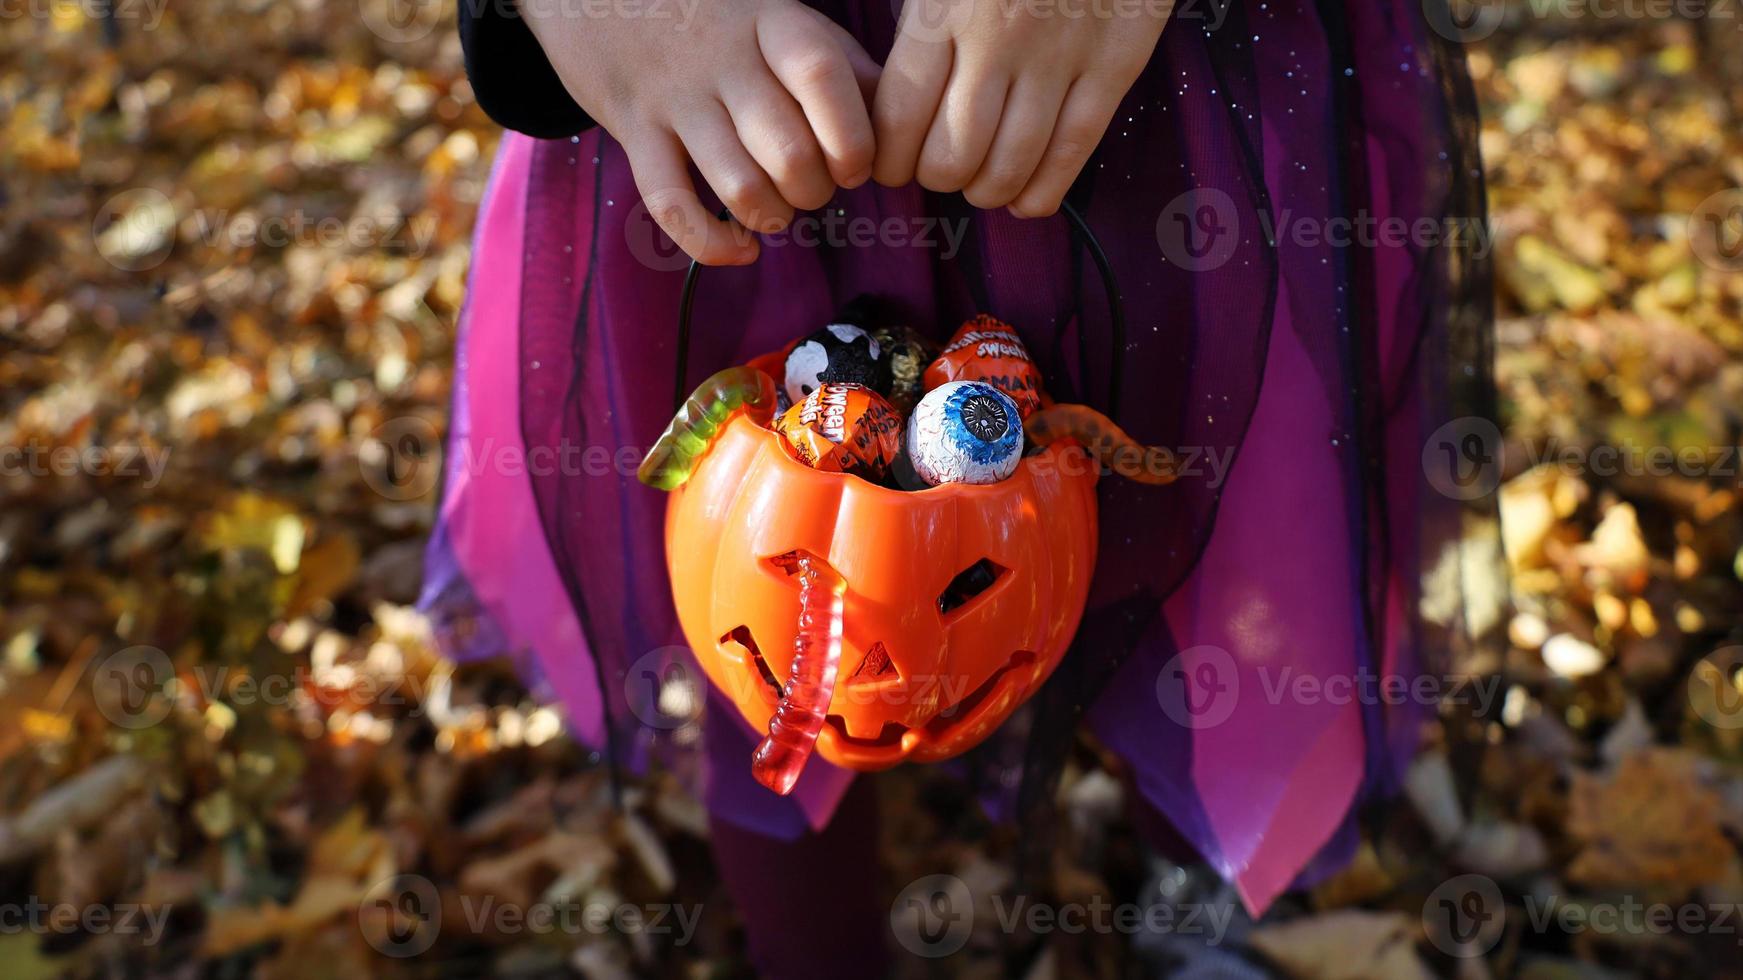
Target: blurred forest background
(233, 237)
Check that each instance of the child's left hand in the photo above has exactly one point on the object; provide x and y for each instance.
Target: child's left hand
(1003, 102)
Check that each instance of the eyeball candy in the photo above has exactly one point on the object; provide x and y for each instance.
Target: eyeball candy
(906, 353)
(987, 349)
(840, 352)
(844, 428)
(965, 432)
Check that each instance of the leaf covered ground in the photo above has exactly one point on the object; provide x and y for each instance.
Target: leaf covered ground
(232, 246)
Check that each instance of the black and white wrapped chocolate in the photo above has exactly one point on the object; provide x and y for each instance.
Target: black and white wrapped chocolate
(840, 352)
(965, 432)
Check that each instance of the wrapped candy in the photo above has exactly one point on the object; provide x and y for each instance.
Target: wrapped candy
(847, 428)
(987, 349)
(906, 353)
(965, 432)
(1105, 441)
(840, 352)
(674, 455)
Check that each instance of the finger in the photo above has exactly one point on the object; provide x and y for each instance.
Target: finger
(812, 66)
(775, 132)
(740, 184)
(1088, 109)
(663, 178)
(907, 97)
(866, 69)
(1031, 112)
(963, 129)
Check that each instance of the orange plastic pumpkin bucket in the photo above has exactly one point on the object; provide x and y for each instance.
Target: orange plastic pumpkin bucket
(959, 599)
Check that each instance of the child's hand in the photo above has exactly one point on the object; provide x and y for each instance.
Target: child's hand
(767, 97)
(1004, 102)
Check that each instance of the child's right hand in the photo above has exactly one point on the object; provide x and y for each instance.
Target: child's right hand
(767, 97)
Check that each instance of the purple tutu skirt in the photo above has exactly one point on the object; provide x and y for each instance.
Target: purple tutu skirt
(1291, 203)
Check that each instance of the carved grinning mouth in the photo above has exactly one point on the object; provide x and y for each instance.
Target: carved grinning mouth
(948, 719)
(963, 593)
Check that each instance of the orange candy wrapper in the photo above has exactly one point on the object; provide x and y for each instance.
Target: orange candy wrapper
(845, 428)
(987, 349)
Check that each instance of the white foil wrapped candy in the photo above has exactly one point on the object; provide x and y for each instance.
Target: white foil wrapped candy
(965, 432)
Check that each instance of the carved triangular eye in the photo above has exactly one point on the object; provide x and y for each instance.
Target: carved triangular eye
(968, 584)
(875, 667)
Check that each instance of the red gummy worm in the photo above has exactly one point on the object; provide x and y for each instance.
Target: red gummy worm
(798, 717)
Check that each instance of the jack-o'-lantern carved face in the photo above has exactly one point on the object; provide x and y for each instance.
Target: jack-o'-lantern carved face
(959, 601)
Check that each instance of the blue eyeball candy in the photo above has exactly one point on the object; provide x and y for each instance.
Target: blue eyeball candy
(841, 353)
(965, 432)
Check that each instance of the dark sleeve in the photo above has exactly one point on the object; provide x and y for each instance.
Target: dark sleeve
(511, 77)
